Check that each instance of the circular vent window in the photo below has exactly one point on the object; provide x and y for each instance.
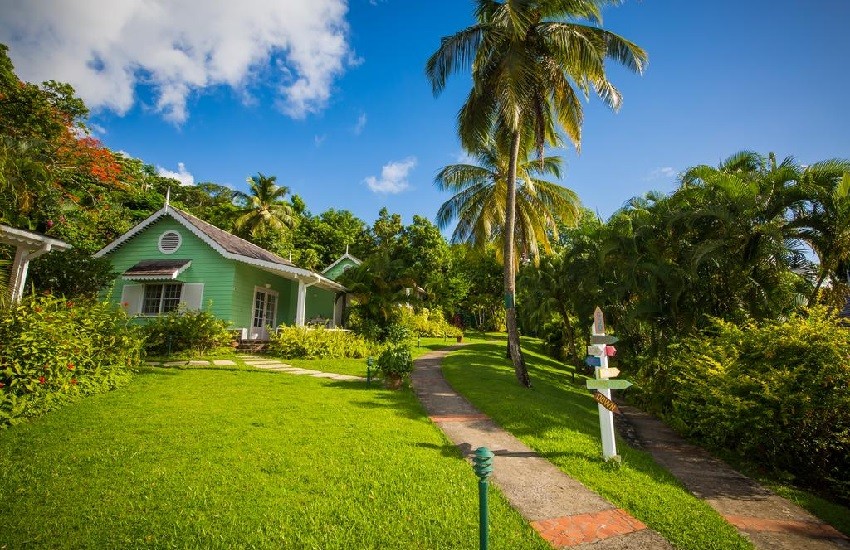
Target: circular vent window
(169, 242)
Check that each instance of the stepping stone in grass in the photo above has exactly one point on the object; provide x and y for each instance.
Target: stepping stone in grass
(223, 362)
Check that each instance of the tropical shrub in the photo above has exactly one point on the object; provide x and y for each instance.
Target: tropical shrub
(777, 391)
(396, 360)
(426, 323)
(317, 343)
(55, 351)
(196, 332)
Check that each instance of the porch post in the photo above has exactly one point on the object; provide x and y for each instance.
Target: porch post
(19, 273)
(339, 306)
(300, 304)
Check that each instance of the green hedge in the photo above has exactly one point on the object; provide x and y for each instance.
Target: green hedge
(54, 351)
(317, 343)
(775, 393)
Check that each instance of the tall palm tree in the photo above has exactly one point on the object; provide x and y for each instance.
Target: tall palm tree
(265, 208)
(528, 59)
(478, 203)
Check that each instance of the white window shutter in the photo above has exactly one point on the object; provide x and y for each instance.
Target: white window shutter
(132, 295)
(192, 296)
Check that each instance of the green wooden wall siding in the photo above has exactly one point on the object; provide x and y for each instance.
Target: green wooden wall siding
(208, 266)
(247, 278)
(320, 303)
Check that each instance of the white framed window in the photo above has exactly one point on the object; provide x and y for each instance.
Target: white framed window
(169, 242)
(161, 298)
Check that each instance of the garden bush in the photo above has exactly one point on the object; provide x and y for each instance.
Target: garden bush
(427, 323)
(396, 360)
(317, 343)
(55, 351)
(776, 392)
(197, 332)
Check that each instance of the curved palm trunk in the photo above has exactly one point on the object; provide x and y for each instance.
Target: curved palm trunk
(510, 276)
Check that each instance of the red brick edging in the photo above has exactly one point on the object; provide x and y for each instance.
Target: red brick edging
(806, 528)
(584, 528)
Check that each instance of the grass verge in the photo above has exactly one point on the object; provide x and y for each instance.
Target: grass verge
(560, 421)
(203, 458)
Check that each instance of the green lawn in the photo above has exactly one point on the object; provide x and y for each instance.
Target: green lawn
(232, 459)
(560, 421)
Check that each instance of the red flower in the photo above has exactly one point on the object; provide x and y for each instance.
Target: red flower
(70, 366)
(73, 381)
(41, 380)
(2, 385)
(38, 310)
(126, 304)
(69, 304)
(49, 224)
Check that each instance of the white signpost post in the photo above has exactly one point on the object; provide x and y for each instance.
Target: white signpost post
(598, 354)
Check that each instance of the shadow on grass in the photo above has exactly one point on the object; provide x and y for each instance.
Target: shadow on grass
(554, 403)
(451, 451)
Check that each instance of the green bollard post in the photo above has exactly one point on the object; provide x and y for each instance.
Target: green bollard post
(368, 371)
(482, 463)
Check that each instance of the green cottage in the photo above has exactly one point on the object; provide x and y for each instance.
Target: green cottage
(173, 259)
(341, 265)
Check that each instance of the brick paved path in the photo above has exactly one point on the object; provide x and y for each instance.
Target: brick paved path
(562, 510)
(768, 520)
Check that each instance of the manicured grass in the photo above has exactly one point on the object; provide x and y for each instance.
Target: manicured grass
(560, 421)
(235, 459)
(357, 367)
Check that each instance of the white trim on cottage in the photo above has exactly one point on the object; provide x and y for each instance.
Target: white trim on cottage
(288, 271)
(28, 246)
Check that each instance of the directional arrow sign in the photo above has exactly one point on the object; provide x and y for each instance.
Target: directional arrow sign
(605, 402)
(593, 361)
(615, 384)
(598, 322)
(608, 373)
(603, 339)
(610, 351)
(597, 350)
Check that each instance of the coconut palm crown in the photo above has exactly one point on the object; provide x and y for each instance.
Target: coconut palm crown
(478, 202)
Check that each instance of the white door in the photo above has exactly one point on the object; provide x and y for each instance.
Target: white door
(265, 307)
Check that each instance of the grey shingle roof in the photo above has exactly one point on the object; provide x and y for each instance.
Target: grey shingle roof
(156, 268)
(231, 243)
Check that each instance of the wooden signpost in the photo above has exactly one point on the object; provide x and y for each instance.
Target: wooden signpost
(605, 384)
(610, 372)
(605, 379)
(605, 402)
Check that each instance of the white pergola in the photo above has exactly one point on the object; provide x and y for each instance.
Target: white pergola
(28, 246)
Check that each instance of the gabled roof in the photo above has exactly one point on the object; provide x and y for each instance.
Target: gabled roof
(230, 242)
(341, 258)
(228, 245)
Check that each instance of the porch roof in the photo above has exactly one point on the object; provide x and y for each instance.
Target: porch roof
(151, 270)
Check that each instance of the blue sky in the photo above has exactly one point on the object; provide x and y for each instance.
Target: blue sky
(331, 96)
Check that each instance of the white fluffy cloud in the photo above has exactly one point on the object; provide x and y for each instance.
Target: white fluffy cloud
(663, 172)
(393, 177)
(361, 123)
(104, 48)
(182, 175)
